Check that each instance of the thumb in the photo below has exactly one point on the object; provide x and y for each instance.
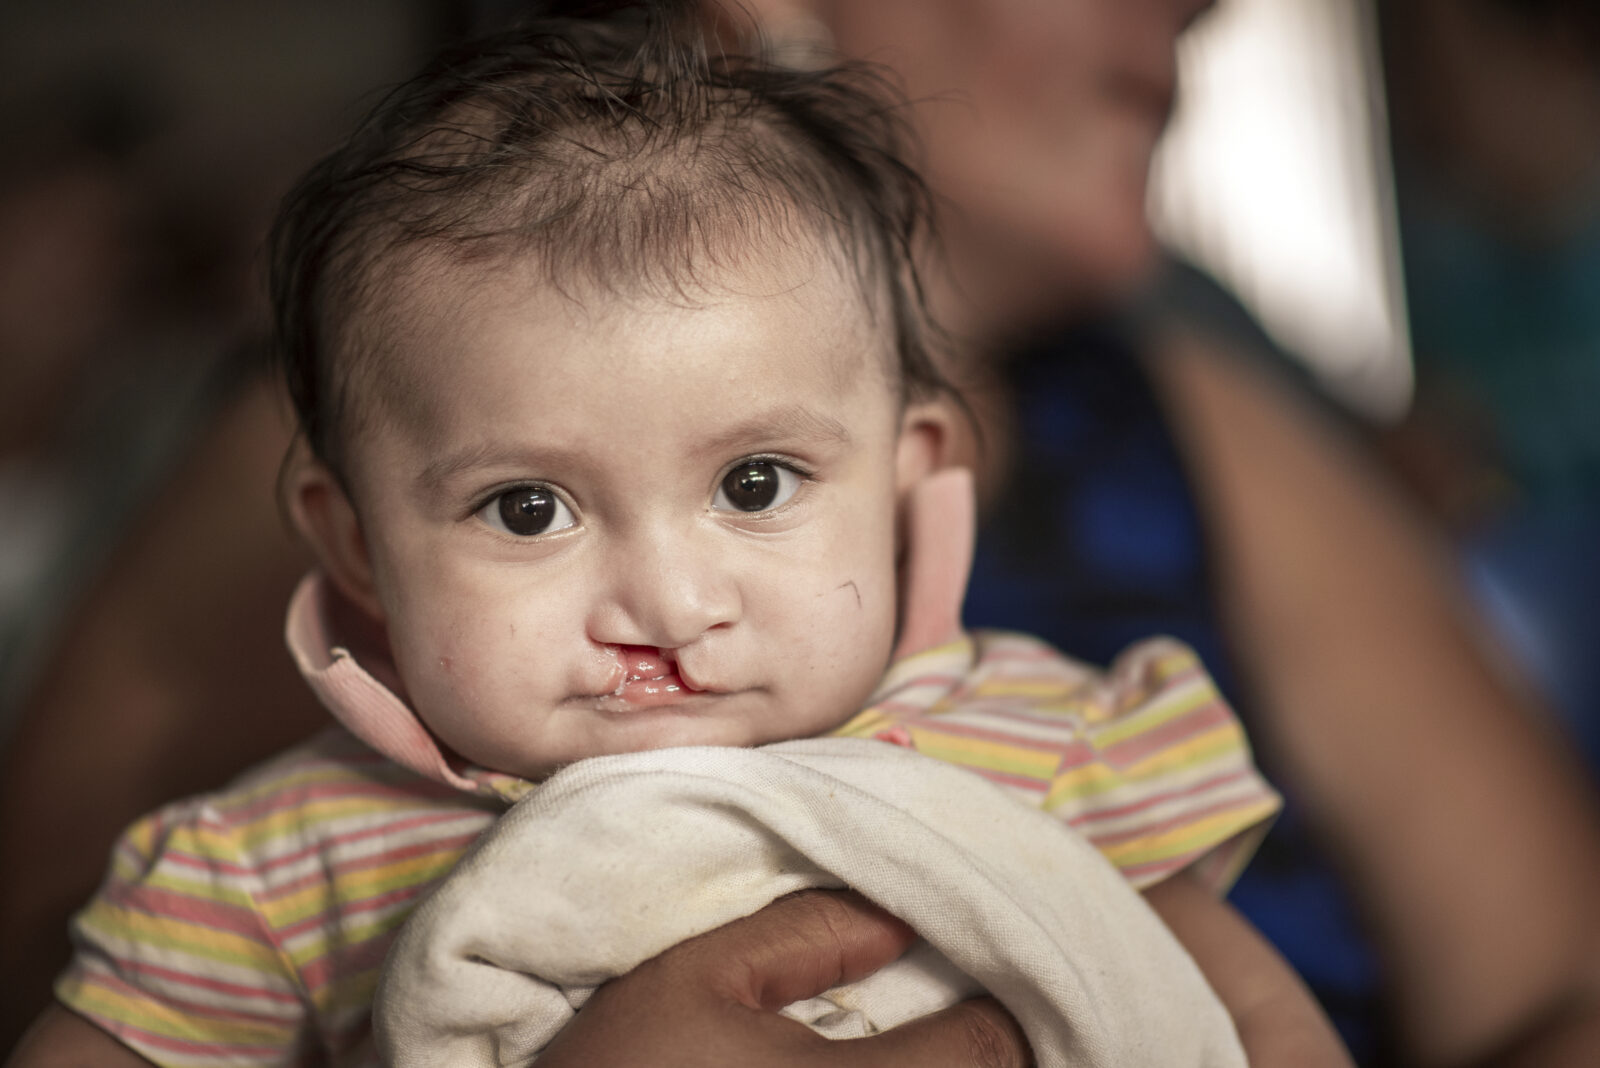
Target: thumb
(801, 945)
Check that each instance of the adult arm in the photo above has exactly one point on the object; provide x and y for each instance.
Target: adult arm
(1468, 837)
(63, 1039)
(1278, 1021)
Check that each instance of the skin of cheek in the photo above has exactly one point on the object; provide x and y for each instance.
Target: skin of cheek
(836, 629)
(484, 652)
(845, 616)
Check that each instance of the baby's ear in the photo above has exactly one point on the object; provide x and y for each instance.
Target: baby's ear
(321, 511)
(925, 437)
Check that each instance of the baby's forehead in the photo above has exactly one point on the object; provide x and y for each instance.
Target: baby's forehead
(409, 331)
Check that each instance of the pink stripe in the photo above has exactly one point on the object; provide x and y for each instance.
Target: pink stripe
(345, 962)
(1034, 786)
(1211, 714)
(321, 876)
(292, 796)
(138, 967)
(204, 1010)
(1177, 678)
(1163, 826)
(940, 681)
(1163, 797)
(1060, 721)
(201, 912)
(900, 708)
(1078, 752)
(222, 1053)
(344, 909)
(321, 845)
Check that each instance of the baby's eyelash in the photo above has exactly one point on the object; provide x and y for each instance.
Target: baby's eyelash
(489, 496)
(803, 470)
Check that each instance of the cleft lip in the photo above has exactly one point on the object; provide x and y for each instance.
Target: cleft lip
(650, 672)
(643, 662)
(688, 681)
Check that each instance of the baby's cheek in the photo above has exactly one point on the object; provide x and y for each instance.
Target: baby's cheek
(850, 631)
(439, 671)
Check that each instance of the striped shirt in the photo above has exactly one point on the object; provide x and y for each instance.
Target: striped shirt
(249, 926)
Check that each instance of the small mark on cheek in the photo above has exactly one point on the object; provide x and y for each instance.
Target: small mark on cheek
(447, 664)
(851, 585)
(513, 630)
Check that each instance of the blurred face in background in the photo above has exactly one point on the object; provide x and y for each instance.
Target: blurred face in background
(1039, 118)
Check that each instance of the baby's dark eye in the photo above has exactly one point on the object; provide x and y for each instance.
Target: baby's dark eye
(526, 511)
(756, 486)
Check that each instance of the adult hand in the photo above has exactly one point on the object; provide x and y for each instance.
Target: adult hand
(713, 1001)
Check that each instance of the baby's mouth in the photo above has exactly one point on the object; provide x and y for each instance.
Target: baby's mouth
(649, 676)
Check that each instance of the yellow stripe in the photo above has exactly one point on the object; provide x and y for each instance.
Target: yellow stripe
(1166, 708)
(1175, 663)
(204, 840)
(315, 943)
(1080, 783)
(864, 724)
(179, 880)
(205, 943)
(1222, 745)
(1207, 747)
(1203, 834)
(992, 756)
(142, 837)
(294, 821)
(93, 998)
(354, 886)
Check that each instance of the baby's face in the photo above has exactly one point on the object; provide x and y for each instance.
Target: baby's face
(600, 523)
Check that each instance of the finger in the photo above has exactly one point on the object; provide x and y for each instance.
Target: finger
(978, 1033)
(799, 946)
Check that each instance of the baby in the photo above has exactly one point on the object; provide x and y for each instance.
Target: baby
(614, 382)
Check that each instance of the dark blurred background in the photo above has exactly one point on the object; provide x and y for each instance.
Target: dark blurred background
(142, 147)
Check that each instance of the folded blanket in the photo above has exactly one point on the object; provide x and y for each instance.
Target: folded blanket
(618, 858)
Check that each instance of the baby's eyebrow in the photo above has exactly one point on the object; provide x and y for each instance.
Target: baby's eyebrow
(446, 467)
(791, 421)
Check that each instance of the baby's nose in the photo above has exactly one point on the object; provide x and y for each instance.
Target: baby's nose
(663, 592)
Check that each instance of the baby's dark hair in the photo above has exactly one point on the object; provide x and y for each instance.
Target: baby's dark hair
(612, 148)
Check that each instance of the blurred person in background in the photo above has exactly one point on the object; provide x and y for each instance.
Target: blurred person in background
(1496, 115)
(1149, 470)
(1161, 471)
(141, 152)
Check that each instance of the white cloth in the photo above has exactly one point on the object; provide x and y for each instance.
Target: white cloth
(618, 858)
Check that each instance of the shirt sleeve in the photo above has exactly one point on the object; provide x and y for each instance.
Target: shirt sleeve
(173, 955)
(1144, 759)
(1163, 779)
